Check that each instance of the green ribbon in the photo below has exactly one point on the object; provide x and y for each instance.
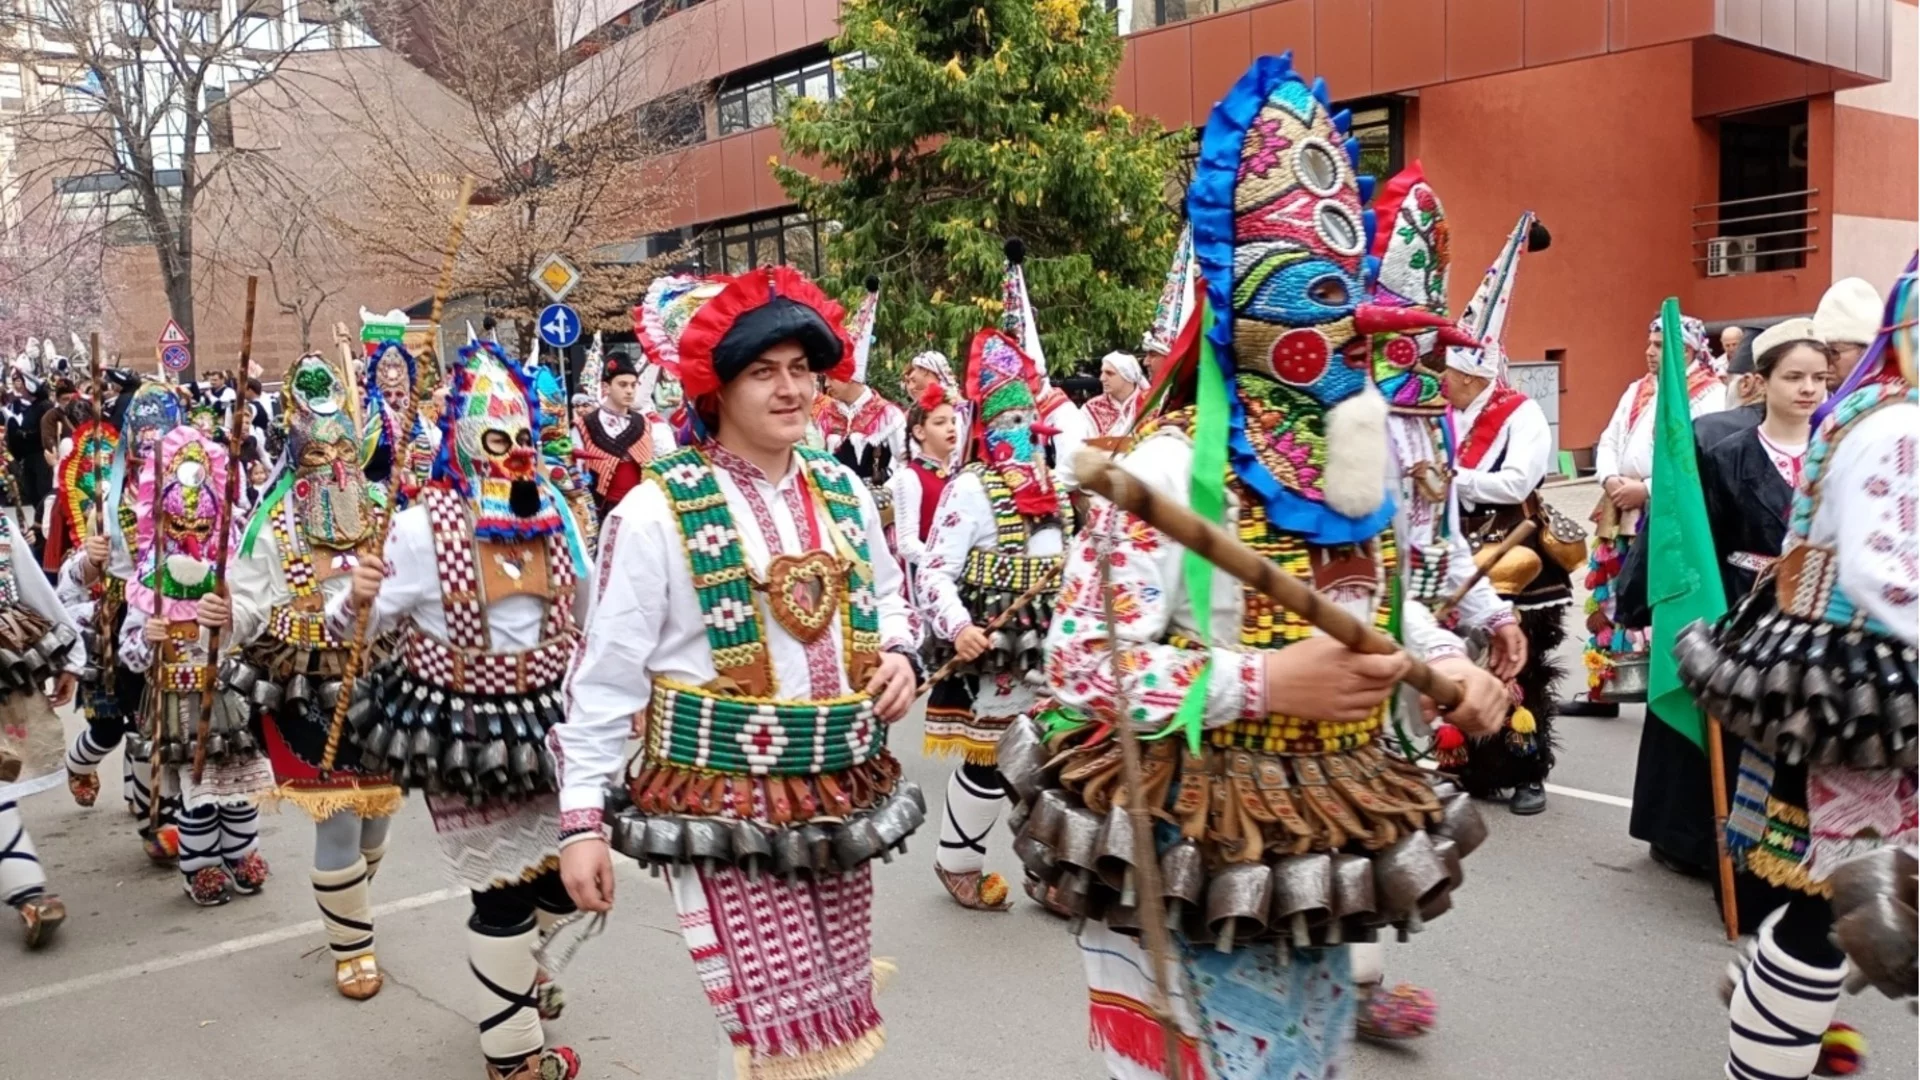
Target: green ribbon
(1207, 495)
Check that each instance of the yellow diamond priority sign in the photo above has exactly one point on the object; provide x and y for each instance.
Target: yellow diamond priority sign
(556, 277)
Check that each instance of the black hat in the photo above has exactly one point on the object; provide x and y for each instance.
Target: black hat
(617, 364)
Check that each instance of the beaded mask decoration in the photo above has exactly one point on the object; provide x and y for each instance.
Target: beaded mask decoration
(1414, 251)
(154, 410)
(83, 473)
(329, 489)
(999, 382)
(191, 495)
(489, 447)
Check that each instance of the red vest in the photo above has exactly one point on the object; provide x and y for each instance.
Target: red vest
(932, 484)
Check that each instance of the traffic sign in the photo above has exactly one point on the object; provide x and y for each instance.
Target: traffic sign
(173, 335)
(556, 277)
(559, 326)
(175, 356)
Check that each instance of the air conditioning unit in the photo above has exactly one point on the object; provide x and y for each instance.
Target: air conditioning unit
(1732, 255)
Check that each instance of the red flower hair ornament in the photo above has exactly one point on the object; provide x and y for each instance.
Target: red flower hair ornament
(754, 312)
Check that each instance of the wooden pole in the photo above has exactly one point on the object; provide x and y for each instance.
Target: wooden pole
(1098, 473)
(100, 422)
(236, 441)
(357, 648)
(1149, 904)
(1716, 765)
(1520, 532)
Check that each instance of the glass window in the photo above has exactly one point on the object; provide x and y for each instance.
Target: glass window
(817, 82)
(739, 259)
(81, 89)
(13, 89)
(258, 32)
(801, 251)
(759, 105)
(733, 111)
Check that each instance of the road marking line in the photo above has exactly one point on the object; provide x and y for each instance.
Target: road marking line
(1590, 796)
(310, 928)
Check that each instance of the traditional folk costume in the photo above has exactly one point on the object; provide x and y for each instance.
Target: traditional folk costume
(868, 434)
(739, 619)
(298, 552)
(1106, 419)
(38, 641)
(615, 448)
(1504, 449)
(183, 512)
(561, 468)
(1436, 559)
(914, 493)
(111, 693)
(1816, 669)
(400, 459)
(1288, 447)
(999, 532)
(484, 575)
(1626, 450)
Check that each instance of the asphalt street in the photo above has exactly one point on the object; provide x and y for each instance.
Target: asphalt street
(1570, 954)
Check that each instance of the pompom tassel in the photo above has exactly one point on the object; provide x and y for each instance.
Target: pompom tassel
(1843, 1052)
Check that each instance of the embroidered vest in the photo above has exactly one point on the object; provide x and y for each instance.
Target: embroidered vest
(726, 587)
(932, 486)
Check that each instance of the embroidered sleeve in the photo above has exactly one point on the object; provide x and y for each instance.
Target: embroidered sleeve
(1874, 487)
(609, 684)
(412, 578)
(962, 522)
(37, 593)
(75, 595)
(1424, 637)
(135, 654)
(1145, 571)
(899, 622)
(255, 589)
(905, 486)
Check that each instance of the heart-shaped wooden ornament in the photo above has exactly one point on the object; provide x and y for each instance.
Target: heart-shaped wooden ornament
(805, 592)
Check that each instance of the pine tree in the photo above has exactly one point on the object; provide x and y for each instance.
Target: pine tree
(973, 121)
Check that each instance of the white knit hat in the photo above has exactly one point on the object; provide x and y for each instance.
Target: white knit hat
(1849, 314)
(1124, 365)
(1796, 329)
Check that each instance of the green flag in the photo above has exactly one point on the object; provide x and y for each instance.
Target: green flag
(1683, 571)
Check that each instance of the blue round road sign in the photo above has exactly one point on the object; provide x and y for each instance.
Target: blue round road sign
(559, 326)
(175, 357)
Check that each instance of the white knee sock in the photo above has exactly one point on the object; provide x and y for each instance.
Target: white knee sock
(199, 839)
(239, 832)
(971, 812)
(21, 876)
(503, 966)
(1781, 1008)
(345, 910)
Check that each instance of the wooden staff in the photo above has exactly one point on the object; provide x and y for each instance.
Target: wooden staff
(357, 647)
(947, 669)
(1520, 532)
(151, 698)
(236, 440)
(1717, 764)
(100, 421)
(1097, 472)
(1146, 857)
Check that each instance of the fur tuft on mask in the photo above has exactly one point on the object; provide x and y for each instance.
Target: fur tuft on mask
(1355, 482)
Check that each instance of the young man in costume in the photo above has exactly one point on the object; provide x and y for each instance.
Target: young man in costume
(299, 551)
(482, 576)
(1504, 448)
(617, 440)
(1436, 560)
(1815, 668)
(183, 514)
(1623, 462)
(999, 530)
(751, 628)
(93, 586)
(1274, 768)
(37, 629)
(1111, 413)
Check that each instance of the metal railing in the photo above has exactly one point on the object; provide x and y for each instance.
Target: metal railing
(1764, 241)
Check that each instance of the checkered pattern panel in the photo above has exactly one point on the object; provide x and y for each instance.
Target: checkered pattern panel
(459, 571)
